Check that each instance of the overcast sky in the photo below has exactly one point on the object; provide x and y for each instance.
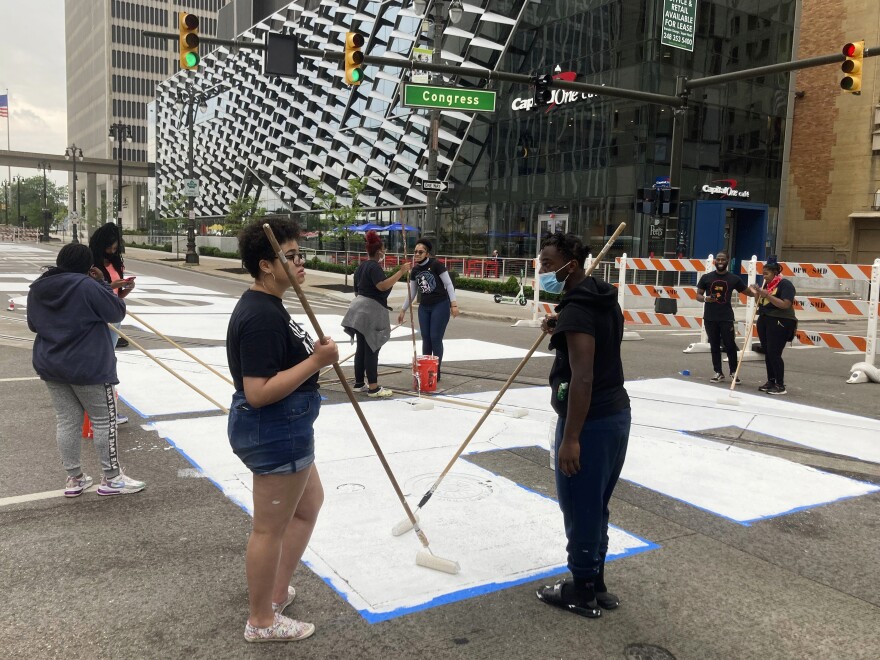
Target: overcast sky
(32, 67)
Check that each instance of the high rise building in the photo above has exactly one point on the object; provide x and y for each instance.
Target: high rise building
(112, 73)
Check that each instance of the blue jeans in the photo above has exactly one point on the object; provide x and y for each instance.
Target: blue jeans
(278, 438)
(584, 497)
(433, 320)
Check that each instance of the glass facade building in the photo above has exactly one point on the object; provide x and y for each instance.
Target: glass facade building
(582, 157)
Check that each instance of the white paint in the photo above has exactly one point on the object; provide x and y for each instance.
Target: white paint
(31, 497)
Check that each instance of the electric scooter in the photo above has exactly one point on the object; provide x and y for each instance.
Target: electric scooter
(518, 298)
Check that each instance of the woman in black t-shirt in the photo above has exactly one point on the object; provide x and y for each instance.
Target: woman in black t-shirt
(592, 431)
(367, 317)
(777, 323)
(431, 279)
(274, 366)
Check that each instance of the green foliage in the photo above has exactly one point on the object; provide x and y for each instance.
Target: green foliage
(28, 196)
(317, 264)
(210, 251)
(241, 211)
(175, 204)
(507, 288)
(148, 246)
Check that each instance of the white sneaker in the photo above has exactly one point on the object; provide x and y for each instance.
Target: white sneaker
(75, 486)
(283, 630)
(121, 419)
(280, 607)
(121, 484)
(381, 393)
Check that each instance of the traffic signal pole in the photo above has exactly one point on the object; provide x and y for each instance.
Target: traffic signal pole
(192, 257)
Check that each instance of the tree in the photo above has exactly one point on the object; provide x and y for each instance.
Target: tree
(242, 210)
(333, 212)
(29, 196)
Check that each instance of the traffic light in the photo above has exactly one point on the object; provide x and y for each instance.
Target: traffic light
(646, 201)
(543, 93)
(667, 201)
(852, 67)
(354, 58)
(189, 40)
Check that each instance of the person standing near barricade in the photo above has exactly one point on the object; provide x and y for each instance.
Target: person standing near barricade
(69, 307)
(367, 317)
(592, 430)
(777, 323)
(274, 366)
(716, 290)
(431, 279)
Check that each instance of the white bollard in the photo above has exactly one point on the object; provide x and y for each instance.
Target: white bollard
(749, 355)
(867, 371)
(628, 335)
(703, 346)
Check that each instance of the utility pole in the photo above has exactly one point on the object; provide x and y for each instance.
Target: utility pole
(74, 153)
(45, 165)
(119, 132)
(192, 257)
(18, 196)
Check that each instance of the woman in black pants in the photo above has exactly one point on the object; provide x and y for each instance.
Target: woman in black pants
(776, 323)
(367, 318)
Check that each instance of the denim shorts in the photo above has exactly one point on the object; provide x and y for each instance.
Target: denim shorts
(278, 438)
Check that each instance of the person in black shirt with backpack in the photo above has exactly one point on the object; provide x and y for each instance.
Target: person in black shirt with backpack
(716, 290)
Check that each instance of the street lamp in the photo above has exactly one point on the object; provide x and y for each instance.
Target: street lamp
(17, 179)
(118, 133)
(74, 153)
(454, 12)
(45, 165)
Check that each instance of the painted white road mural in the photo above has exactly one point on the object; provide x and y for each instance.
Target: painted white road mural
(500, 532)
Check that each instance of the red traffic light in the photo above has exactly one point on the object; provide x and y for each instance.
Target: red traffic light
(850, 50)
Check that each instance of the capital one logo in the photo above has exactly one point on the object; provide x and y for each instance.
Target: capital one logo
(727, 191)
(560, 96)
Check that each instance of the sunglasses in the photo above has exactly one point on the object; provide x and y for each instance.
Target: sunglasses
(420, 251)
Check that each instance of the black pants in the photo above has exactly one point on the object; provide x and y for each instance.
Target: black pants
(365, 360)
(721, 333)
(774, 333)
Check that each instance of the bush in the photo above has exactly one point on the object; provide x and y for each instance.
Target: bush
(147, 246)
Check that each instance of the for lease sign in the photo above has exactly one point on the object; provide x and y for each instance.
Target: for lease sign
(679, 22)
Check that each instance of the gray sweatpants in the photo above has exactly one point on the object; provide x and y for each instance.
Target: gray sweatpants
(70, 401)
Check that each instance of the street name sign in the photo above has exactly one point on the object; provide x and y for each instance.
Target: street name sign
(448, 98)
(438, 186)
(679, 23)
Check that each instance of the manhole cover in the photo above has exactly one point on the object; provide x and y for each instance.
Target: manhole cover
(647, 652)
(454, 487)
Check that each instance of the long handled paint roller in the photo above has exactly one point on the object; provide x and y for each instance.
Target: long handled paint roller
(404, 525)
(424, 557)
(181, 348)
(510, 412)
(729, 399)
(166, 368)
(350, 355)
(419, 404)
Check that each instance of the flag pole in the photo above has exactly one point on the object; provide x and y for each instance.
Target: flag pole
(8, 167)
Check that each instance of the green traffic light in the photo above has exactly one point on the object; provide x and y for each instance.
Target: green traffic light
(356, 75)
(191, 59)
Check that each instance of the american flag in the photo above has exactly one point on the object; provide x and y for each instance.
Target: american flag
(4, 105)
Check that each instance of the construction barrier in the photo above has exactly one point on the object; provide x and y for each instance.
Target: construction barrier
(861, 372)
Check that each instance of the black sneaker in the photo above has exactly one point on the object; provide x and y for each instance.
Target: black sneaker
(121, 343)
(735, 379)
(777, 389)
(717, 378)
(766, 387)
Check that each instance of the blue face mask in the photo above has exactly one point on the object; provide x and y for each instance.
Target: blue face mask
(550, 284)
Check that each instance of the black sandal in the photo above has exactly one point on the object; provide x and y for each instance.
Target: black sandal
(557, 596)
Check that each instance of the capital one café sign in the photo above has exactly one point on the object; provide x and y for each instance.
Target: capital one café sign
(560, 96)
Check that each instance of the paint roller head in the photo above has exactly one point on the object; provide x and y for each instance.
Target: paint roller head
(403, 526)
(421, 405)
(728, 401)
(518, 412)
(428, 560)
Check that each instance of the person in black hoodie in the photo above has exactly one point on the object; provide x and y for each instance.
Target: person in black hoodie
(592, 430)
(68, 308)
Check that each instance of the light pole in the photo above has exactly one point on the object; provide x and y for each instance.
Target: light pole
(118, 133)
(45, 165)
(454, 11)
(74, 153)
(17, 178)
(191, 99)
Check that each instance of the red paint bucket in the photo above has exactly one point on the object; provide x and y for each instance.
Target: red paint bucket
(87, 427)
(426, 366)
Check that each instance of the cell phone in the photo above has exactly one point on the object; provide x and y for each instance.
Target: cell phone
(129, 279)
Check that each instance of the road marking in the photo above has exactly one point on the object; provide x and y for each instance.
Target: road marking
(16, 380)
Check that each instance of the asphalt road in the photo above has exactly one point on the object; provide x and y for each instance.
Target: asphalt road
(161, 574)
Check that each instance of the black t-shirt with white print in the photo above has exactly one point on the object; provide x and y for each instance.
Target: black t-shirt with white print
(262, 340)
(719, 288)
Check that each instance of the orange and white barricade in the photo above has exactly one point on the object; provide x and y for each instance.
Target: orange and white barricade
(625, 263)
(861, 372)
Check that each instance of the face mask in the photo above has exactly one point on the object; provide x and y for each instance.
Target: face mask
(550, 284)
